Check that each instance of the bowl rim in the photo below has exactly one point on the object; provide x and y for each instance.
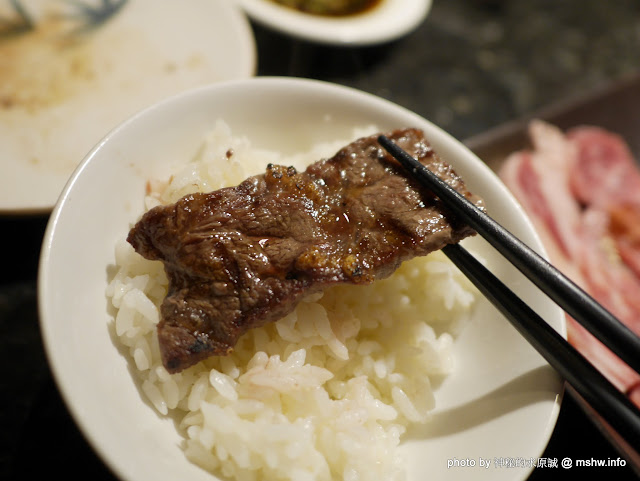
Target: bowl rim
(46, 290)
(389, 20)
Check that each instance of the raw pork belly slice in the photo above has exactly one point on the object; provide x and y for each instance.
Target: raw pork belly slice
(243, 256)
(582, 192)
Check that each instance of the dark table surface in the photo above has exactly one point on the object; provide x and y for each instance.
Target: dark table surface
(471, 66)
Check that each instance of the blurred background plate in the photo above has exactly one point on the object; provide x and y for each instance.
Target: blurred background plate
(72, 70)
(385, 21)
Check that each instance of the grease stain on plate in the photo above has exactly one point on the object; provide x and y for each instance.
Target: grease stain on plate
(70, 71)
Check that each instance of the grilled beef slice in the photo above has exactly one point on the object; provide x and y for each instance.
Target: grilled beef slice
(243, 256)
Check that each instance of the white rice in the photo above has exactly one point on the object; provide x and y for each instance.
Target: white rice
(324, 393)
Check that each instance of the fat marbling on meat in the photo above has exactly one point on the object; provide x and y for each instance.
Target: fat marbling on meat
(581, 189)
(243, 256)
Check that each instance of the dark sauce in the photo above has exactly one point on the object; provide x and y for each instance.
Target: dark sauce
(331, 8)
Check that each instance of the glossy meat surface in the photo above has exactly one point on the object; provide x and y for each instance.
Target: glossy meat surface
(243, 256)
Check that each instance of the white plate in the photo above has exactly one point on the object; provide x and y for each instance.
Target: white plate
(60, 93)
(502, 401)
(388, 21)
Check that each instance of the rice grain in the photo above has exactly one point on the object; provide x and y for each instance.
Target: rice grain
(323, 394)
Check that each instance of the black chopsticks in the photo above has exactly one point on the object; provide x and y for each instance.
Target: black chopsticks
(575, 301)
(605, 398)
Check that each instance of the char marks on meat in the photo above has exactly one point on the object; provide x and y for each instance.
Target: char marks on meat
(243, 256)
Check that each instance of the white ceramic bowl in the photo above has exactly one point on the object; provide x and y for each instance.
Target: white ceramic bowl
(388, 21)
(501, 402)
